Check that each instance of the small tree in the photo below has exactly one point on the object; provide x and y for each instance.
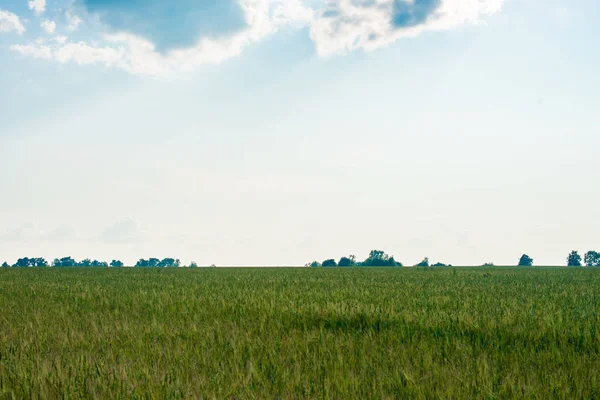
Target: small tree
(439, 264)
(27, 262)
(329, 263)
(116, 264)
(488, 264)
(166, 263)
(22, 263)
(347, 261)
(574, 259)
(193, 264)
(525, 261)
(142, 263)
(314, 264)
(5, 265)
(378, 258)
(592, 259)
(39, 262)
(64, 262)
(424, 263)
(85, 263)
(99, 264)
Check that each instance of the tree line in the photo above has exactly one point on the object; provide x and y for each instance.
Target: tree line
(377, 258)
(69, 262)
(591, 259)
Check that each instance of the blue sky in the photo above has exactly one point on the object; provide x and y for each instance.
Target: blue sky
(276, 132)
(169, 24)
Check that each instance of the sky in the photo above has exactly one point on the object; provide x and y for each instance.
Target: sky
(277, 132)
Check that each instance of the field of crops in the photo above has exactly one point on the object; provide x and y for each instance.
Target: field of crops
(300, 333)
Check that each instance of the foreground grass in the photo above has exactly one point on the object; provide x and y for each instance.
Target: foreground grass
(297, 333)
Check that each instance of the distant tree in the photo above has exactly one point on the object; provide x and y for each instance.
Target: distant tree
(142, 263)
(314, 264)
(22, 263)
(64, 262)
(27, 262)
(168, 263)
(38, 262)
(193, 264)
(424, 263)
(153, 262)
(349, 261)
(592, 259)
(525, 261)
(99, 264)
(329, 263)
(439, 264)
(85, 263)
(116, 264)
(574, 259)
(378, 258)
(488, 264)
(5, 265)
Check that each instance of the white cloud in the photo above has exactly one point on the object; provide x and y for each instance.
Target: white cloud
(126, 230)
(10, 22)
(338, 27)
(36, 50)
(81, 53)
(73, 21)
(38, 6)
(139, 56)
(346, 25)
(30, 232)
(48, 26)
(62, 232)
(27, 231)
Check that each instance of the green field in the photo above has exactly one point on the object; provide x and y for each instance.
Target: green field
(300, 333)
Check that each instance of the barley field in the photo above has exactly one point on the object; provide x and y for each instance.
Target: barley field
(300, 333)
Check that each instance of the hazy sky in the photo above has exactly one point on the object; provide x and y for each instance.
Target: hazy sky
(275, 132)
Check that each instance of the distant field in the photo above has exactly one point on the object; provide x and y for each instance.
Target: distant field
(298, 333)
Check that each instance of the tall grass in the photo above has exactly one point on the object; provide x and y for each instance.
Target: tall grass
(300, 333)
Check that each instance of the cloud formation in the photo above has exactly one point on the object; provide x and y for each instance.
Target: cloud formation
(346, 25)
(138, 55)
(38, 6)
(48, 26)
(136, 43)
(29, 232)
(73, 21)
(9, 22)
(126, 230)
(34, 50)
(169, 24)
(63, 232)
